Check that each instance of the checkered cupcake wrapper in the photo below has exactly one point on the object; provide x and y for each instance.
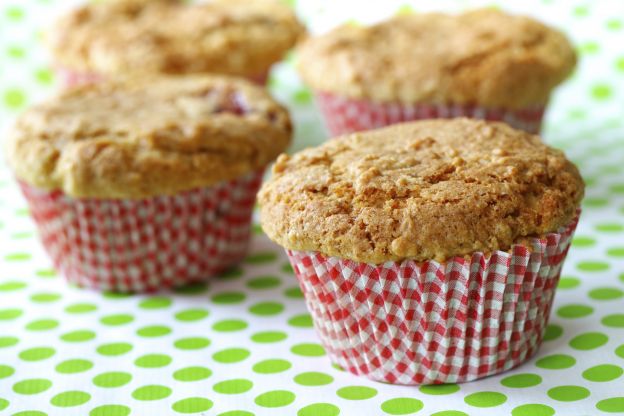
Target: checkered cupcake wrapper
(344, 115)
(429, 323)
(148, 244)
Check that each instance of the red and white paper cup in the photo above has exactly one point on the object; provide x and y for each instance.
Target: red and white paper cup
(147, 244)
(429, 323)
(344, 115)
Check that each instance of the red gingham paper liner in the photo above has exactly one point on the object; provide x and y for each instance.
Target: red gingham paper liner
(429, 323)
(148, 244)
(69, 78)
(346, 115)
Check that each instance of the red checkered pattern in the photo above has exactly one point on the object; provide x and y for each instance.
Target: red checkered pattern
(148, 244)
(345, 115)
(426, 323)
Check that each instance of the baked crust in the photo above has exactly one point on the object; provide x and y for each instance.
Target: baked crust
(424, 190)
(137, 138)
(234, 37)
(483, 57)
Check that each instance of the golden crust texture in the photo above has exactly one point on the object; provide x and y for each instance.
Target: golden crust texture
(234, 37)
(139, 138)
(483, 57)
(425, 190)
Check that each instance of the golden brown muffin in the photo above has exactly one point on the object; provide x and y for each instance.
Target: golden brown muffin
(424, 190)
(145, 137)
(484, 57)
(235, 37)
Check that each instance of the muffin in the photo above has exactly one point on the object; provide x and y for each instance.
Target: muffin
(232, 37)
(482, 64)
(141, 184)
(428, 252)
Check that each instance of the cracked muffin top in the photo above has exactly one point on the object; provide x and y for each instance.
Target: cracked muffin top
(137, 138)
(484, 57)
(425, 190)
(234, 37)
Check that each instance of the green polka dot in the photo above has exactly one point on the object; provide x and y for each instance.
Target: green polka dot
(275, 398)
(151, 392)
(449, 413)
(14, 13)
(231, 355)
(70, 399)
(45, 297)
(261, 258)
(574, 311)
(595, 202)
(617, 189)
(3, 404)
(614, 321)
(44, 76)
(356, 392)
(6, 342)
(47, 273)
(552, 332)
(533, 410)
(74, 366)
(229, 325)
(601, 92)
(10, 314)
(114, 349)
(32, 386)
(16, 52)
(154, 331)
(153, 361)
(308, 350)
(191, 315)
(117, 320)
(556, 362)
(589, 48)
(110, 410)
(266, 308)
(78, 308)
(319, 409)
(592, 266)
(192, 374)
(313, 379)
(192, 405)
(269, 336)
(606, 293)
(236, 413)
(14, 98)
(588, 341)
(264, 282)
(402, 406)
(293, 293)
(612, 405)
(191, 289)
(485, 399)
(271, 366)
(30, 413)
(609, 228)
(42, 325)
(615, 252)
(228, 298)
(521, 380)
(301, 321)
(6, 371)
(155, 303)
(12, 286)
(603, 373)
(37, 354)
(233, 273)
(235, 386)
(302, 96)
(568, 283)
(78, 336)
(568, 393)
(439, 389)
(614, 24)
(112, 379)
(192, 343)
(583, 241)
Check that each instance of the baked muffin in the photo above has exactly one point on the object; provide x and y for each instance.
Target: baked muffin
(428, 252)
(234, 37)
(138, 185)
(481, 64)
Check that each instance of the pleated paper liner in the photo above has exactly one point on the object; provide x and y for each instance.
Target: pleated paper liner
(428, 323)
(147, 244)
(344, 115)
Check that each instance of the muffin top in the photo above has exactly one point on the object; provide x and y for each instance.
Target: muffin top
(236, 37)
(424, 190)
(483, 57)
(138, 138)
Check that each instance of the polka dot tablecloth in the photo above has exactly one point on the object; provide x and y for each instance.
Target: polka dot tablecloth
(244, 344)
